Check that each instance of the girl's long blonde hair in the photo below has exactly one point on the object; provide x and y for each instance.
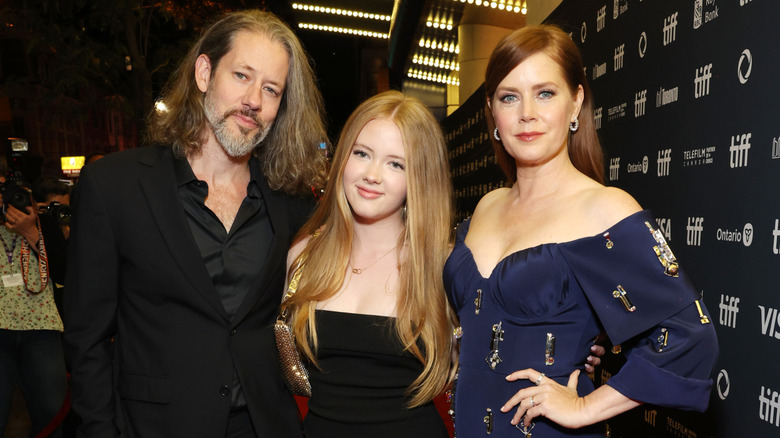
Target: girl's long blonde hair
(424, 320)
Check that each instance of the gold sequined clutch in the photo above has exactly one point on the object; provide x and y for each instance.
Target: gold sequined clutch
(289, 358)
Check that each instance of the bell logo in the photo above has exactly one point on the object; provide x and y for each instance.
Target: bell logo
(642, 45)
(745, 66)
(723, 384)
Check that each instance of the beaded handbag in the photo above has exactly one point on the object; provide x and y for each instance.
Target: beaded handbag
(290, 360)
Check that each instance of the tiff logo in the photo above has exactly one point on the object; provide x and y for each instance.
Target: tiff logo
(738, 151)
(744, 2)
(770, 322)
(619, 51)
(776, 148)
(597, 117)
(650, 416)
(694, 230)
(729, 307)
(769, 406)
(640, 100)
(701, 83)
(775, 235)
(664, 162)
(614, 168)
(670, 28)
(601, 18)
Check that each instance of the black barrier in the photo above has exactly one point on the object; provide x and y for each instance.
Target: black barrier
(687, 97)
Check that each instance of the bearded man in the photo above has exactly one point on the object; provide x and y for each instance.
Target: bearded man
(177, 250)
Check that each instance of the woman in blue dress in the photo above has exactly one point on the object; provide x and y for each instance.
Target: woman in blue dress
(370, 313)
(545, 265)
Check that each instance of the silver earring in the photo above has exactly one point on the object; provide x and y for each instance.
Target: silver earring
(495, 134)
(575, 125)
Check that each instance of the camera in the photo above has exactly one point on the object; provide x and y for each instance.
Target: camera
(16, 194)
(60, 212)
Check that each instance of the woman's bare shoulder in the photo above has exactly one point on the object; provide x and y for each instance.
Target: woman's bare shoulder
(609, 205)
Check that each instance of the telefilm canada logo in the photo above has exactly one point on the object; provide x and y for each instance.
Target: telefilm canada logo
(698, 156)
(617, 111)
(723, 384)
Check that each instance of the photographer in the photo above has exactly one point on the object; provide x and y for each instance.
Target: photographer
(30, 327)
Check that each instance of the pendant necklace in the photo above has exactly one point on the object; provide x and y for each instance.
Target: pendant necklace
(360, 270)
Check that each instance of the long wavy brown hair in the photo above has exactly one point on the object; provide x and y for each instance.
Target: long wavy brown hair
(424, 320)
(290, 154)
(584, 147)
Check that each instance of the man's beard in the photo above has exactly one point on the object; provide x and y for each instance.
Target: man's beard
(234, 145)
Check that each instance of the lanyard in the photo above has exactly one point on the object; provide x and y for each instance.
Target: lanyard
(9, 252)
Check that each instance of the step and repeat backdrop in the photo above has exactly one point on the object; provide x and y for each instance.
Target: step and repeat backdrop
(688, 111)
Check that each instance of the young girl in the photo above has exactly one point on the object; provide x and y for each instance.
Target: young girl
(370, 313)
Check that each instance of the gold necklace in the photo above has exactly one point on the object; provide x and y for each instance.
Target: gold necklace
(360, 270)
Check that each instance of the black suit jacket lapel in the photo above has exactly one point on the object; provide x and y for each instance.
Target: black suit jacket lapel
(276, 207)
(157, 179)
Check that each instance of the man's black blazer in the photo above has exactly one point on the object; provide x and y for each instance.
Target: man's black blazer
(135, 275)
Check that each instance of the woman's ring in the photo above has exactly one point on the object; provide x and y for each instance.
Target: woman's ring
(532, 401)
(539, 380)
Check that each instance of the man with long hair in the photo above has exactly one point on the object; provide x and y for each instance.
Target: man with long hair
(178, 249)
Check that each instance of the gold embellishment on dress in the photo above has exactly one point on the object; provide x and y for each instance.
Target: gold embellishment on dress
(549, 350)
(617, 349)
(493, 359)
(663, 339)
(488, 420)
(663, 252)
(610, 244)
(621, 294)
(478, 302)
(702, 317)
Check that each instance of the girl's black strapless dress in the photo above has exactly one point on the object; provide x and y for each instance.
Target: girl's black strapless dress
(360, 387)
